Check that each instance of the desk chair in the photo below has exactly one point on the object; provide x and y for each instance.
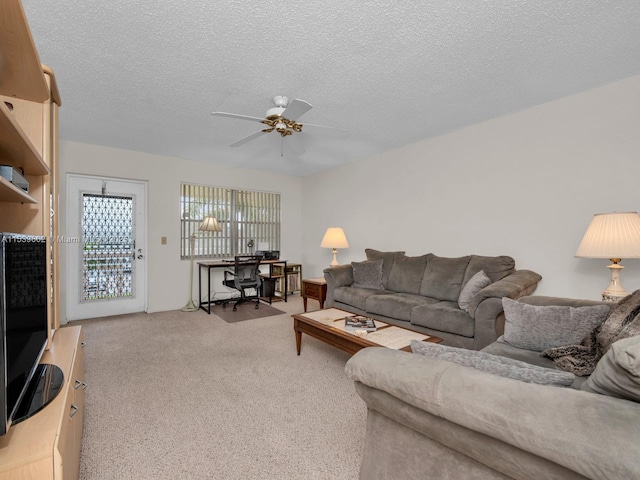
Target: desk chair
(246, 275)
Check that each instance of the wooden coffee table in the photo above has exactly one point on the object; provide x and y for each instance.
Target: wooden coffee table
(328, 327)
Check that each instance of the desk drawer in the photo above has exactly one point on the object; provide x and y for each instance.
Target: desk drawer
(312, 290)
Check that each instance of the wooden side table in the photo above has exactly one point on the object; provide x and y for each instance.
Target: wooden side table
(315, 288)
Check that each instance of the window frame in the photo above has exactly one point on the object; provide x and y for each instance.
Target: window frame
(244, 216)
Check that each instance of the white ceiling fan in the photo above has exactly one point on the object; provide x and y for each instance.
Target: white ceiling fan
(283, 119)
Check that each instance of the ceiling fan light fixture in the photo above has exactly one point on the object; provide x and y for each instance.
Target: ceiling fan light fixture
(282, 117)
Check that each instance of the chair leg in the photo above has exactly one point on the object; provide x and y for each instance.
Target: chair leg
(244, 299)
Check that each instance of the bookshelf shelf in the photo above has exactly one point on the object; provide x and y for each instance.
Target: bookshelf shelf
(293, 271)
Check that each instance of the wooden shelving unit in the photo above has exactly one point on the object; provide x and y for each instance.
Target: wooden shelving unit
(12, 194)
(21, 69)
(293, 271)
(15, 146)
(46, 445)
(271, 279)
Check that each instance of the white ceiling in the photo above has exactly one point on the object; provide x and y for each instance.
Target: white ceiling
(145, 75)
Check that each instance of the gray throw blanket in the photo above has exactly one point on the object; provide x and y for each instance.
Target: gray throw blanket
(623, 321)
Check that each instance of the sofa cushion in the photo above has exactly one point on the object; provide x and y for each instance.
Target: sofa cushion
(471, 288)
(406, 273)
(368, 274)
(617, 373)
(503, 349)
(495, 267)
(396, 305)
(486, 362)
(535, 327)
(443, 277)
(356, 297)
(445, 317)
(387, 261)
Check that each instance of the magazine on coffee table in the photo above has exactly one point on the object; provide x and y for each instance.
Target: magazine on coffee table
(359, 322)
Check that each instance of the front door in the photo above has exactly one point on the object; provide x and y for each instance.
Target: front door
(106, 243)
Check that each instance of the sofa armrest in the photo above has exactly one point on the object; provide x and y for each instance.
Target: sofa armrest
(542, 300)
(338, 276)
(516, 285)
(591, 434)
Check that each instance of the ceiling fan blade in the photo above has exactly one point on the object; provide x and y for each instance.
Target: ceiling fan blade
(295, 109)
(248, 138)
(324, 130)
(235, 115)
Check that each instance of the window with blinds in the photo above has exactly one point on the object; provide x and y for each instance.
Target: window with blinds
(248, 220)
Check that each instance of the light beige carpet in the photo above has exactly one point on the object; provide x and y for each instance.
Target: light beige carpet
(177, 395)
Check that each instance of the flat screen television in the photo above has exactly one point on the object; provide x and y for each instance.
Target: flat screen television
(23, 322)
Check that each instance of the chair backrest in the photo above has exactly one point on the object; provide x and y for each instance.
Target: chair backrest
(247, 270)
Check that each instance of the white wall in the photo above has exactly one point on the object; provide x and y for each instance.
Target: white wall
(168, 276)
(525, 185)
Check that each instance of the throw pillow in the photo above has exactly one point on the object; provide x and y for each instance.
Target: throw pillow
(535, 327)
(617, 374)
(622, 322)
(368, 274)
(497, 365)
(387, 258)
(473, 286)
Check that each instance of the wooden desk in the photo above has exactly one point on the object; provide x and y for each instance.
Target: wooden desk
(208, 265)
(315, 288)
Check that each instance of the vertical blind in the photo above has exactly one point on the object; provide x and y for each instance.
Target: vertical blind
(243, 215)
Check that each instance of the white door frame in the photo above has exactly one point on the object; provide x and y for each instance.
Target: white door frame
(77, 185)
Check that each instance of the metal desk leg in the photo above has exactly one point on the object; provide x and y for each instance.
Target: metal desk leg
(200, 302)
(200, 286)
(209, 289)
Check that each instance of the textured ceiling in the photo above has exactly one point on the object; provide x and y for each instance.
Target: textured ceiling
(145, 75)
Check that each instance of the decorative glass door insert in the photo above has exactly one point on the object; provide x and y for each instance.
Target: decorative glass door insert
(108, 247)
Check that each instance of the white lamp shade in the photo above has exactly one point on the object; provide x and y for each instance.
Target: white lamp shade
(612, 235)
(334, 237)
(210, 224)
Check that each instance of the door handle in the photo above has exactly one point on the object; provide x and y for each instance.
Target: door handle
(140, 255)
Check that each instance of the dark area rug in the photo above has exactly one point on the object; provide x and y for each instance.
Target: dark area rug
(245, 311)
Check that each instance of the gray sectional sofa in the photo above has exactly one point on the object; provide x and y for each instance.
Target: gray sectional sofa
(434, 418)
(457, 299)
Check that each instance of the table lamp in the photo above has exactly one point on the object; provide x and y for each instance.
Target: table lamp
(614, 236)
(334, 238)
(209, 224)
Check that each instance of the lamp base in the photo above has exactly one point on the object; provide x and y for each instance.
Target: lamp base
(334, 263)
(611, 298)
(190, 307)
(615, 291)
